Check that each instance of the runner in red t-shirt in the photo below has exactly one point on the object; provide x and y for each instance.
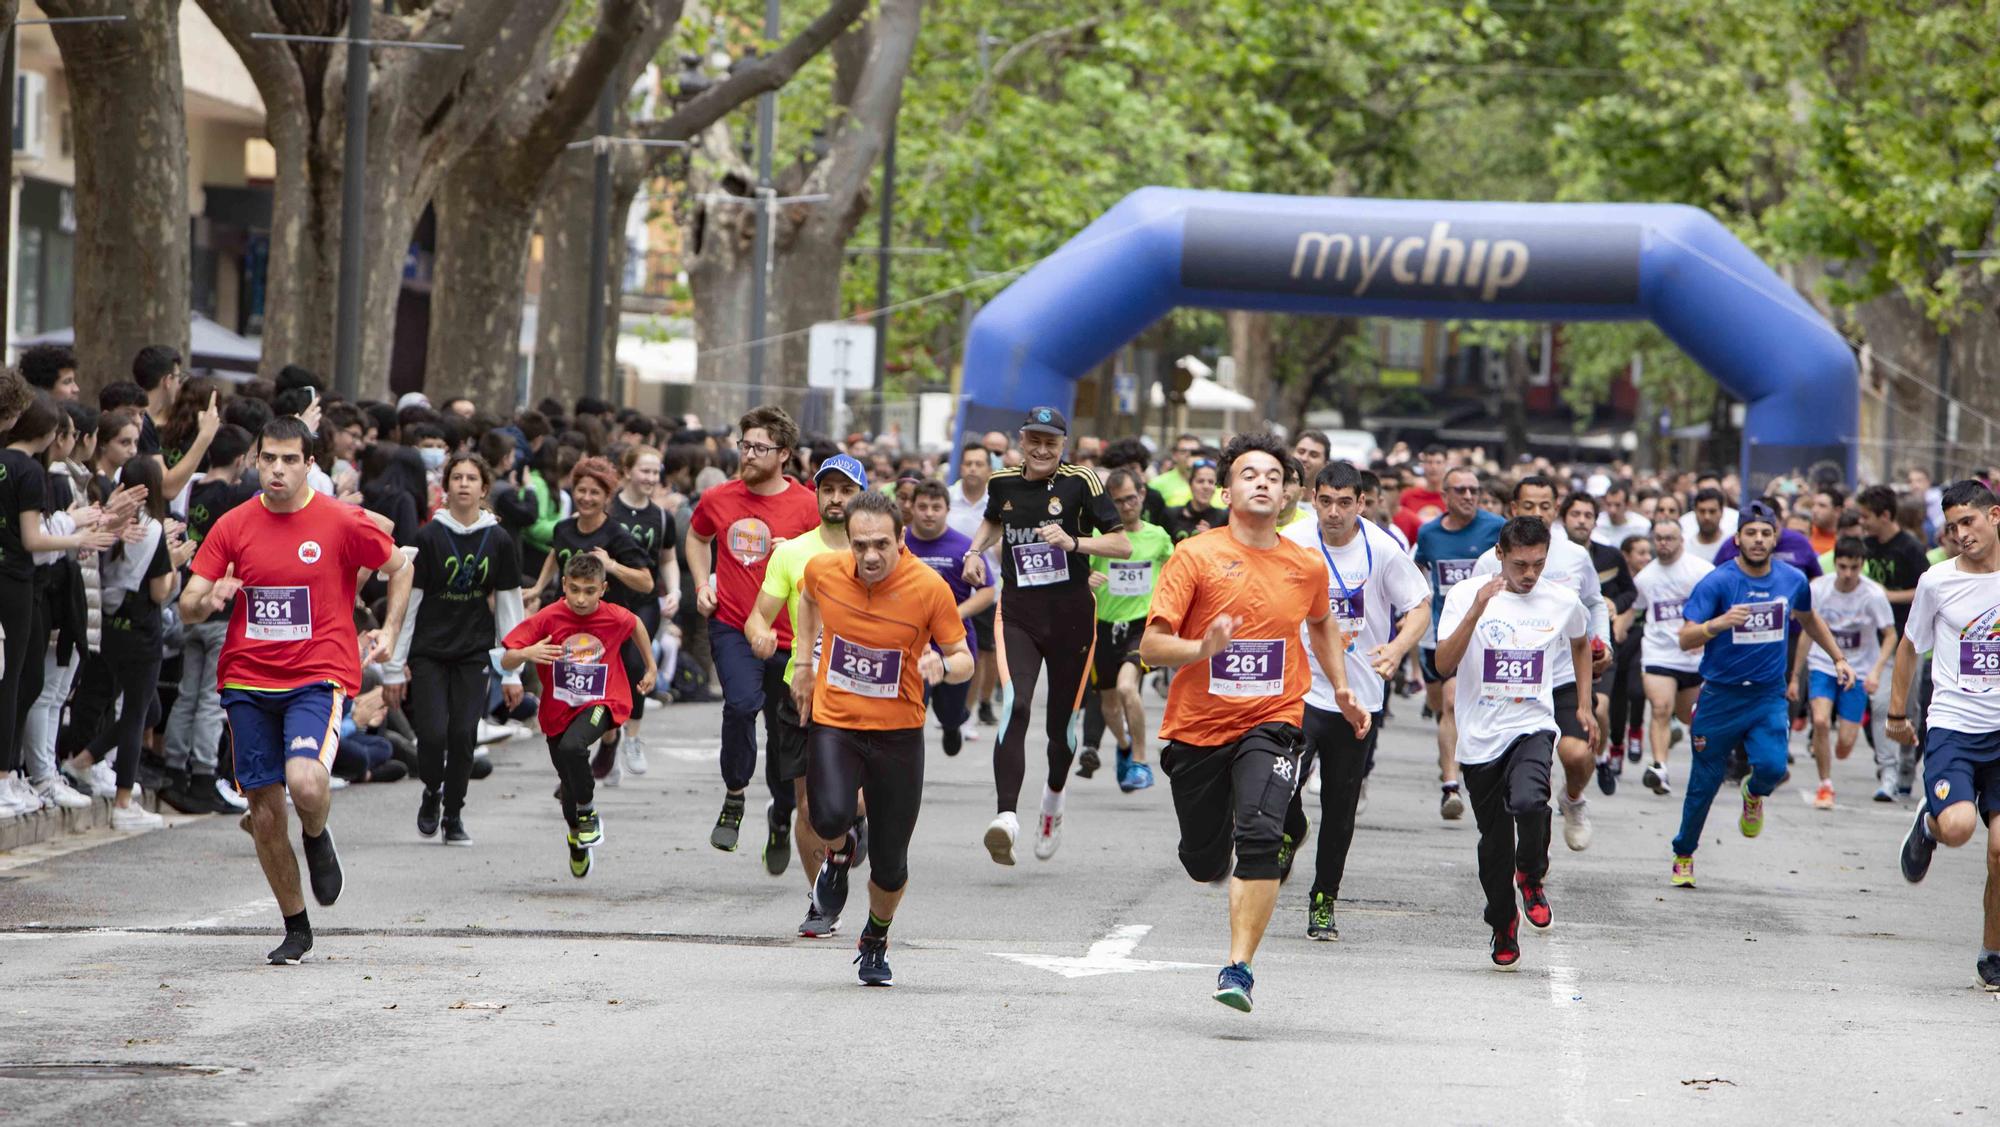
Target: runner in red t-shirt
(291, 659)
(750, 516)
(584, 692)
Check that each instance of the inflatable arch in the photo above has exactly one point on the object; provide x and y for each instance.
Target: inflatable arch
(1674, 265)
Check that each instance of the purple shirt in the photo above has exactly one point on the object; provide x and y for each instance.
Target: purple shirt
(1793, 548)
(946, 556)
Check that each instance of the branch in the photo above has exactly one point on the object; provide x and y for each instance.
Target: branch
(625, 29)
(271, 63)
(760, 76)
(878, 95)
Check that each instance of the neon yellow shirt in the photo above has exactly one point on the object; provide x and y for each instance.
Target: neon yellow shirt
(784, 578)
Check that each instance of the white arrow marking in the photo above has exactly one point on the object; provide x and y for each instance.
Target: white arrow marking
(1109, 955)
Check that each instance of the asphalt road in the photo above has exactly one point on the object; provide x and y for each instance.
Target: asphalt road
(1803, 981)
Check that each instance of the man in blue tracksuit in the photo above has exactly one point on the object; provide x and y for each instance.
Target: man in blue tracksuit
(1737, 616)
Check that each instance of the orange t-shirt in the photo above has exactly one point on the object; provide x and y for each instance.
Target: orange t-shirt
(1263, 675)
(867, 678)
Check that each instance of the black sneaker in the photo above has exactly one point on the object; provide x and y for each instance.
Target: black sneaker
(482, 766)
(830, 890)
(454, 831)
(1088, 763)
(1287, 851)
(874, 961)
(954, 741)
(177, 795)
(816, 925)
(777, 842)
(986, 714)
(1918, 846)
(858, 856)
(202, 790)
(728, 824)
(1607, 775)
(1319, 919)
(323, 861)
(293, 950)
(428, 808)
(1507, 945)
(1989, 973)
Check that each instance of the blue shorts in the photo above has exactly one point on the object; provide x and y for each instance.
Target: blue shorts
(1753, 718)
(1962, 767)
(266, 728)
(1850, 703)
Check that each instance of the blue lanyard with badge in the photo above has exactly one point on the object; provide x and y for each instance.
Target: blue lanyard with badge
(1351, 607)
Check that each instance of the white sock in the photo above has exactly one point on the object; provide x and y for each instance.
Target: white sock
(1052, 801)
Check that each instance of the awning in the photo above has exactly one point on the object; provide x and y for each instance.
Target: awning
(209, 345)
(1207, 395)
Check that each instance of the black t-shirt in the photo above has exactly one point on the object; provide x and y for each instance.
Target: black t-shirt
(1896, 564)
(24, 487)
(1072, 498)
(649, 526)
(1183, 521)
(569, 541)
(139, 616)
(149, 435)
(456, 571)
(208, 500)
(1613, 576)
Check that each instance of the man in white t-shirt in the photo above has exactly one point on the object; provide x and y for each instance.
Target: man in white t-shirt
(1502, 638)
(1709, 525)
(1370, 582)
(1672, 675)
(968, 512)
(1857, 610)
(1616, 519)
(1956, 616)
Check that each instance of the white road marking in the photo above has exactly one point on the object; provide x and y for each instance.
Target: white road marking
(1566, 995)
(1109, 955)
(256, 907)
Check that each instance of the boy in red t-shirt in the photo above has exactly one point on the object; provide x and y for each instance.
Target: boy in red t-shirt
(574, 644)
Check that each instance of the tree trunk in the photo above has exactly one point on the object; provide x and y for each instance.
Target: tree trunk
(1513, 405)
(564, 306)
(475, 337)
(1250, 348)
(132, 268)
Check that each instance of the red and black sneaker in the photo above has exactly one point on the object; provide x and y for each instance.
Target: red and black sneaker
(1507, 944)
(1534, 902)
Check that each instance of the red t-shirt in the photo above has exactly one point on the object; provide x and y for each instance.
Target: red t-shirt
(590, 672)
(293, 626)
(1419, 507)
(745, 527)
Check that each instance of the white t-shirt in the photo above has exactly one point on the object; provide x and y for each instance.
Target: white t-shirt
(1662, 589)
(1570, 567)
(1612, 534)
(966, 515)
(1955, 614)
(1507, 680)
(1379, 576)
(1691, 534)
(1857, 619)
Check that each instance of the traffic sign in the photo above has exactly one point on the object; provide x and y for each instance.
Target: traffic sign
(841, 355)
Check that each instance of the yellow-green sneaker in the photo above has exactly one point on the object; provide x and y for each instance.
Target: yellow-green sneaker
(1752, 820)
(1683, 871)
(579, 858)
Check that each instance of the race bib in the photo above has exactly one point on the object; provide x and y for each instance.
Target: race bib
(1248, 668)
(1450, 573)
(278, 614)
(1039, 564)
(1350, 611)
(1848, 639)
(1511, 674)
(1766, 624)
(580, 684)
(1131, 578)
(1979, 664)
(863, 671)
(1669, 610)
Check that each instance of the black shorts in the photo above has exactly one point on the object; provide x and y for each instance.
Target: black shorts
(1683, 680)
(1117, 645)
(787, 743)
(1566, 721)
(1234, 796)
(982, 630)
(1428, 659)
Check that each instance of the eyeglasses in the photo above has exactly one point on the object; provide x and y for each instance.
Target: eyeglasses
(757, 449)
(1464, 490)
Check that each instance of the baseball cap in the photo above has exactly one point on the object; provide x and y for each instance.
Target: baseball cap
(1045, 420)
(1758, 511)
(413, 399)
(843, 464)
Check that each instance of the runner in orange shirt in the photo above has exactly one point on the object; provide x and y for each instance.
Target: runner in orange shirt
(877, 610)
(1228, 607)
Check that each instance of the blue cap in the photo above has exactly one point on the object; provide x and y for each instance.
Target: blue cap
(1757, 512)
(843, 464)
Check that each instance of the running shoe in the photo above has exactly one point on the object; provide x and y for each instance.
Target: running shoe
(874, 961)
(1918, 846)
(1635, 750)
(1683, 871)
(324, 863)
(1576, 822)
(137, 817)
(580, 859)
(954, 741)
(1989, 973)
(1122, 766)
(1507, 945)
(1233, 985)
(226, 794)
(1287, 850)
(816, 925)
(1000, 835)
(1655, 778)
(728, 824)
(1319, 919)
(454, 831)
(1534, 902)
(986, 714)
(1823, 798)
(429, 806)
(589, 829)
(79, 778)
(635, 752)
(1451, 806)
(1607, 774)
(777, 840)
(1885, 789)
(858, 856)
(55, 791)
(293, 950)
(1048, 837)
(830, 890)
(1751, 822)
(1088, 763)
(1140, 778)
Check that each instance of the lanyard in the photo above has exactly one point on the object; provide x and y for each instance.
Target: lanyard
(1347, 592)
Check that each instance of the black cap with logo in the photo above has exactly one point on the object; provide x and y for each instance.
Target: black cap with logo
(1045, 420)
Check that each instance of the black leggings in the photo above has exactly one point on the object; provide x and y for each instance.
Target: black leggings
(445, 701)
(1058, 630)
(1628, 694)
(18, 612)
(133, 660)
(1343, 763)
(887, 768)
(635, 662)
(570, 752)
(1510, 802)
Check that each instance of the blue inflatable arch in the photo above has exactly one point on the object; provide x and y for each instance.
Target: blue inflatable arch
(1674, 265)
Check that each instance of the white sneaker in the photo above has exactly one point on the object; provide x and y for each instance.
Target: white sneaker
(969, 731)
(26, 793)
(1576, 822)
(634, 750)
(135, 817)
(12, 805)
(1361, 800)
(491, 733)
(519, 728)
(1655, 779)
(104, 779)
(55, 792)
(333, 782)
(1049, 837)
(1000, 835)
(226, 791)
